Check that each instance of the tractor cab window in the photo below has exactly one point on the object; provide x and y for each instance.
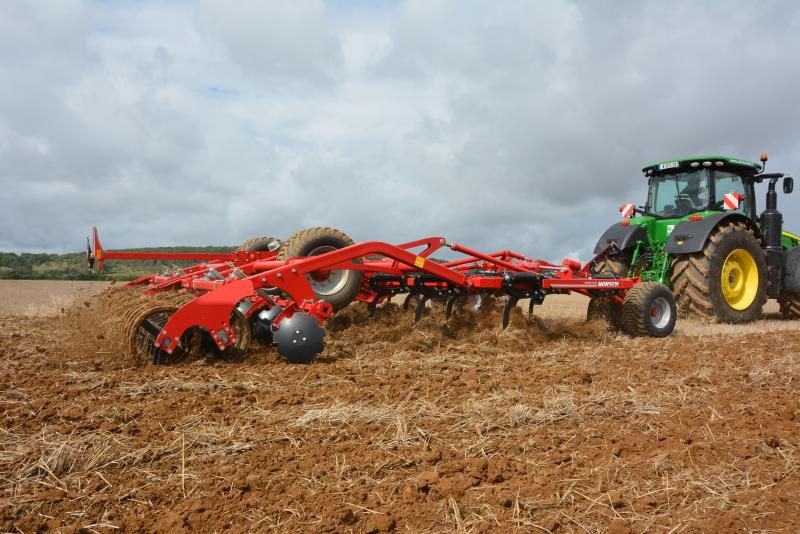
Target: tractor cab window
(726, 183)
(678, 194)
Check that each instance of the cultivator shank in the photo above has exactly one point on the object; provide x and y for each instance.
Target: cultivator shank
(287, 301)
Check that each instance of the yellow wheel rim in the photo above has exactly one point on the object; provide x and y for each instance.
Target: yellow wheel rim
(739, 279)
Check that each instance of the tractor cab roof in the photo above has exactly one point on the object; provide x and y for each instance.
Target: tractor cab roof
(739, 166)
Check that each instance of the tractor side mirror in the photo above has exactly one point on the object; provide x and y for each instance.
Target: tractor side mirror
(788, 184)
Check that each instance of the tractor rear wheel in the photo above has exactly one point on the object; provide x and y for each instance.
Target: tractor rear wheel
(338, 287)
(727, 280)
(261, 244)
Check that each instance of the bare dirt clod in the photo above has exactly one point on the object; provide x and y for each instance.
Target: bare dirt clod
(552, 425)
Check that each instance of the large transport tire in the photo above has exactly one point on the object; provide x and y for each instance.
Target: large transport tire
(603, 308)
(339, 287)
(649, 310)
(727, 280)
(261, 244)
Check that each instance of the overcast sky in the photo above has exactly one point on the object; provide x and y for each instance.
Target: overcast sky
(520, 124)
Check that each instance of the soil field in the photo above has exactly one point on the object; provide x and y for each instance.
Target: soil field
(553, 425)
(39, 298)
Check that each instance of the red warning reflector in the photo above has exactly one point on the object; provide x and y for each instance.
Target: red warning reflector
(731, 200)
(695, 217)
(626, 210)
(626, 223)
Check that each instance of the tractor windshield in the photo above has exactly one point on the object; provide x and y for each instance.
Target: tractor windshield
(678, 194)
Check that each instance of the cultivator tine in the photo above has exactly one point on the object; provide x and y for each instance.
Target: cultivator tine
(420, 308)
(407, 300)
(448, 311)
(510, 303)
(372, 307)
(530, 307)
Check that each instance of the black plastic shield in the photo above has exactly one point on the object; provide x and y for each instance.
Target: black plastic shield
(624, 236)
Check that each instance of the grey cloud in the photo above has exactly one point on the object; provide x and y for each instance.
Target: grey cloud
(499, 125)
(287, 43)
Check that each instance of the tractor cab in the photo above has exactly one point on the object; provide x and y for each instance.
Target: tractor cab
(684, 187)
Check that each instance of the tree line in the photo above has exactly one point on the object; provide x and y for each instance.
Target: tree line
(73, 266)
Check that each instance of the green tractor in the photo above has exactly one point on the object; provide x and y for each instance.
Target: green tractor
(699, 234)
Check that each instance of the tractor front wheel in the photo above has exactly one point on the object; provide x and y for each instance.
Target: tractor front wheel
(727, 280)
(603, 308)
(606, 310)
(617, 265)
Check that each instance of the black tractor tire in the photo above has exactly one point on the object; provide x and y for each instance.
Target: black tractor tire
(618, 265)
(697, 278)
(259, 244)
(319, 240)
(605, 310)
(649, 310)
(790, 305)
(602, 308)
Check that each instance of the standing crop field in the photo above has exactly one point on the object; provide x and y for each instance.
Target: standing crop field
(552, 425)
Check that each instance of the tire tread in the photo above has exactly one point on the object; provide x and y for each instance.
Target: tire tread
(257, 244)
(291, 246)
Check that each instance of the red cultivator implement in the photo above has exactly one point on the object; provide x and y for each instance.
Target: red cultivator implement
(282, 292)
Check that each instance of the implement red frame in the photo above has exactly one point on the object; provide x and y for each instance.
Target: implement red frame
(251, 281)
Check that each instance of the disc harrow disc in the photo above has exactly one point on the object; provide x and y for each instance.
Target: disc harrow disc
(299, 338)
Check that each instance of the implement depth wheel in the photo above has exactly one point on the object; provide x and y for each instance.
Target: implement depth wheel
(337, 287)
(649, 310)
(726, 280)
